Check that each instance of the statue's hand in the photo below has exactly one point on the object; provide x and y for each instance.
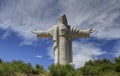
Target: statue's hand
(92, 30)
(34, 31)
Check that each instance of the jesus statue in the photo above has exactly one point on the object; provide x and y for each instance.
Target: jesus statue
(62, 35)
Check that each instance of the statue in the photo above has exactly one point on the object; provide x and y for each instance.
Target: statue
(63, 35)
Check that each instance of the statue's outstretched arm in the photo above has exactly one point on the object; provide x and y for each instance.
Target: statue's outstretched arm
(43, 34)
(77, 33)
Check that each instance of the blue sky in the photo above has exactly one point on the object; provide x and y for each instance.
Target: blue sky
(19, 17)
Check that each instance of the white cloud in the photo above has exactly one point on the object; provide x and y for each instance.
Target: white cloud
(6, 34)
(24, 15)
(83, 52)
(99, 14)
(117, 49)
(38, 56)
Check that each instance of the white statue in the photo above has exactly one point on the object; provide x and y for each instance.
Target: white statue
(63, 35)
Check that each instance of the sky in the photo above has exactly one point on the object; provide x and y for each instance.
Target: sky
(19, 17)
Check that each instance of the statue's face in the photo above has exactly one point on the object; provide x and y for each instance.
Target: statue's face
(63, 19)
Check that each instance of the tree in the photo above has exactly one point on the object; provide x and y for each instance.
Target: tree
(117, 67)
(39, 69)
(117, 59)
(1, 61)
(89, 63)
(61, 70)
(105, 61)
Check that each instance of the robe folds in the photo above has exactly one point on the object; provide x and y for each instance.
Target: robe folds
(62, 36)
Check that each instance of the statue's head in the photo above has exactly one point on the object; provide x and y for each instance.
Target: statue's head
(63, 19)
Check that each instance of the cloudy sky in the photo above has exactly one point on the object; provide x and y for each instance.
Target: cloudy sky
(19, 17)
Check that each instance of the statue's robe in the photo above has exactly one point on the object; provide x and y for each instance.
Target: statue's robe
(62, 36)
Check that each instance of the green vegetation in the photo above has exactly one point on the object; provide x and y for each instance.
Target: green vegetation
(61, 70)
(19, 68)
(98, 67)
